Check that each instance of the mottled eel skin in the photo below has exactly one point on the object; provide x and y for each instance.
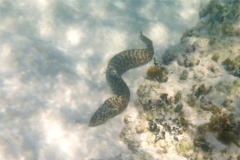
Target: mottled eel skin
(119, 64)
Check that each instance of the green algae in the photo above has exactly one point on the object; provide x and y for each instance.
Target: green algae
(184, 146)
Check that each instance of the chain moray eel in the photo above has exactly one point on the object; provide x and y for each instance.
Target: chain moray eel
(117, 65)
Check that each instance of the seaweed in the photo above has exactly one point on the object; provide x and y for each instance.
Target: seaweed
(226, 127)
(157, 73)
(201, 91)
(232, 66)
(215, 57)
(228, 64)
(177, 97)
(191, 100)
(201, 142)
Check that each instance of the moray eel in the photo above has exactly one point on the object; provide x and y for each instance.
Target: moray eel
(119, 64)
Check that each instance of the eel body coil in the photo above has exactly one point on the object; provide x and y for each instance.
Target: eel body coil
(119, 64)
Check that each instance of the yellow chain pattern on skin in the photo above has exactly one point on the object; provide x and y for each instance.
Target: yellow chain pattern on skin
(119, 64)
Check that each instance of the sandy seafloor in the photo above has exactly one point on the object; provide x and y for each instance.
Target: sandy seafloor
(53, 56)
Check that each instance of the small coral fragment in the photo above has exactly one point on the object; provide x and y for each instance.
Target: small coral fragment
(153, 127)
(178, 107)
(183, 75)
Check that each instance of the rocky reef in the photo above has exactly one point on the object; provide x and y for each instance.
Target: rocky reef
(189, 103)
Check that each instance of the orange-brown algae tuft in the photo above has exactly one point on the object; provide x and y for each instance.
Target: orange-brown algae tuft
(157, 74)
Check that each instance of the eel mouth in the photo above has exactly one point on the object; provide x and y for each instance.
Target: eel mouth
(103, 113)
